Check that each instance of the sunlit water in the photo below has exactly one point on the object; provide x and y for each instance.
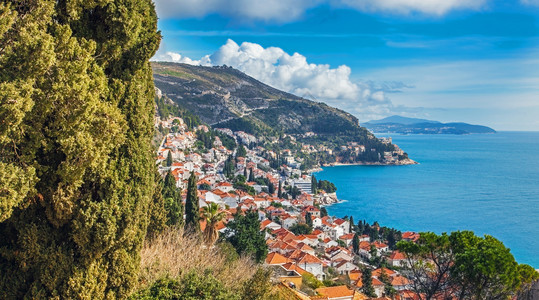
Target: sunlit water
(488, 183)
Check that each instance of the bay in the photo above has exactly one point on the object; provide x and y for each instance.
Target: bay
(488, 183)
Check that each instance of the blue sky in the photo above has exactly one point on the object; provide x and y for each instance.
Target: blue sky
(475, 61)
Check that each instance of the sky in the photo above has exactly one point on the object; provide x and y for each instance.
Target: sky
(474, 61)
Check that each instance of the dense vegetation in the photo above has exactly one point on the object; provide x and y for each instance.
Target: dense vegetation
(464, 266)
(76, 169)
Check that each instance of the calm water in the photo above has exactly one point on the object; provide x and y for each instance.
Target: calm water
(485, 183)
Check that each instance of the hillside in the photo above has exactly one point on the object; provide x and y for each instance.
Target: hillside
(403, 125)
(227, 98)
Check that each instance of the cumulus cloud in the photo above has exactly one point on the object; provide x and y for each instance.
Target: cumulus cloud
(290, 10)
(294, 74)
(266, 10)
(430, 7)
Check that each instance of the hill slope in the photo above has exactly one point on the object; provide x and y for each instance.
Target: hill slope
(227, 98)
(400, 120)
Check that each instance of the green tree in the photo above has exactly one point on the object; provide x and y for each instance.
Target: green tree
(76, 167)
(355, 243)
(212, 215)
(280, 190)
(309, 220)
(351, 222)
(251, 175)
(300, 228)
(323, 212)
(173, 201)
(241, 152)
(389, 290)
(192, 210)
(314, 185)
(366, 279)
(169, 159)
(245, 235)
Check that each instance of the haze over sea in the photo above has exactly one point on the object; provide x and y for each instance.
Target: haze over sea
(488, 183)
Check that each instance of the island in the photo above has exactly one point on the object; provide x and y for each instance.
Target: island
(404, 125)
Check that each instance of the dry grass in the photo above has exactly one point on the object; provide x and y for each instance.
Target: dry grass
(172, 254)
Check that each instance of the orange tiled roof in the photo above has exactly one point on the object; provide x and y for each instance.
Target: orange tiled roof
(275, 258)
(335, 291)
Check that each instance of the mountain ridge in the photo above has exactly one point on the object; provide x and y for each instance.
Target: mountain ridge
(404, 125)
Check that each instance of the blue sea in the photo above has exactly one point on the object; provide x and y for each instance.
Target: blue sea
(488, 183)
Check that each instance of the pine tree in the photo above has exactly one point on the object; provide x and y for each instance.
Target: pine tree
(247, 238)
(192, 211)
(76, 168)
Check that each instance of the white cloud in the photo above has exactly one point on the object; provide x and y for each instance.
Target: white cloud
(266, 10)
(430, 7)
(294, 74)
(289, 10)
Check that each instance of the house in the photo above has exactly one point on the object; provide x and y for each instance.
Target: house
(396, 259)
(341, 292)
(410, 236)
(225, 187)
(347, 238)
(344, 267)
(269, 224)
(288, 221)
(311, 264)
(275, 258)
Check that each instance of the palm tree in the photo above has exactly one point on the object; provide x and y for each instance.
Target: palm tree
(212, 215)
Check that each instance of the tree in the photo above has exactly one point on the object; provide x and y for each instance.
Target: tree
(389, 290)
(300, 228)
(169, 159)
(173, 201)
(245, 235)
(309, 220)
(77, 172)
(429, 260)
(241, 152)
(280, 190)
(314, 185)
(192, 210)
(366, 279)
(351, 222)
(323, 212)
(355, 243)
(251, 175)
(212, 215)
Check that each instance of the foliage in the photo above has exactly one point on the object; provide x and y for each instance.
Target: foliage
(241, 151)
(309, 280)
(169, 159)
(463, 265)
(173, 201)
(206, 138)
(76, 165)
(323, 212)
(327, 186)
(300, 228)
(242, 186)
(191, 287)
(314, 185)
(366, 279)
(192, 211)
(259, 287)
(245, 235)
(355, 243)
(226, 140)
(212, 215)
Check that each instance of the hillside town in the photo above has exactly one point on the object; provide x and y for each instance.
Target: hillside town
(303, 241)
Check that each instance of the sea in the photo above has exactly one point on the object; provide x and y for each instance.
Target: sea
(487, 183)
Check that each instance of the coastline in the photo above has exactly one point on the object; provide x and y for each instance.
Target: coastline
(398, 163)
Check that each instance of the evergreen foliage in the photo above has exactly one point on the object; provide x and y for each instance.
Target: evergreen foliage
(192, 210)
(245, 235)
(355, 243)
(366, 279)
(173, 201)
(169, 159)
(300, 228)
(241, 152)
(314, 185)
(76, 167)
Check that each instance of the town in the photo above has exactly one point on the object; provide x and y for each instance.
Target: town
(311, 253)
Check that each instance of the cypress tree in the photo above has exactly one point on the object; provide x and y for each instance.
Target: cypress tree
(355, 243)
(314, 185)
(192, 211)
(351, 221)
(169, 159)
(366, 278)
(309, 220)
(251, 175)
(76, 167)
(173, 201)
(280, 190)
